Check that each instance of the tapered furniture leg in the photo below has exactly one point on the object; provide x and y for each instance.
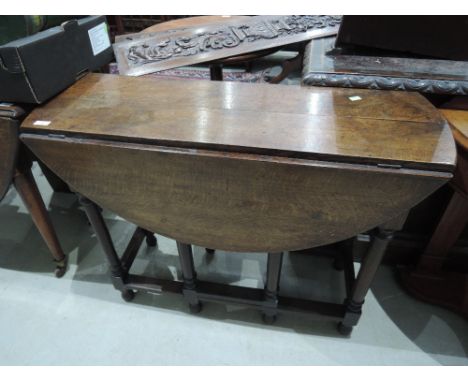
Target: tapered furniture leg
(104, 238)
(274, 263)
(371, 262)
(189, 275)
(26, 187)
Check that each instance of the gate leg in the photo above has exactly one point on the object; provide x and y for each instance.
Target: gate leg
(97, 222)
(274, 262)
(190, 278)
(371, 262)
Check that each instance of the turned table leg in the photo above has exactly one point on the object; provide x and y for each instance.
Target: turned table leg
(189, 275)
(26, 187)
(104, 238)
(274, 263)
(369, 266)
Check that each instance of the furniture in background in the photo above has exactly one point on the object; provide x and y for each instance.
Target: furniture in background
(220, 168)
(216, 67)
(430, 280)
(416, 53)
(219, 40)
(15, 168)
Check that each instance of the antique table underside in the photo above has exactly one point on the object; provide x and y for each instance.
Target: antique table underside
(243, 167)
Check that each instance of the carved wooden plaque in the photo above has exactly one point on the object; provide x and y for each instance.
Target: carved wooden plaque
(147, 53)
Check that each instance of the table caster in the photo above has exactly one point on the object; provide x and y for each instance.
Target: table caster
(344, 330)
(128, 295)
(151, 241)
(269, 319)
(195, 308)
(210, 251)
(60, 268)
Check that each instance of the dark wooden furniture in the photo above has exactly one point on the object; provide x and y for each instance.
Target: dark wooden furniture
(430, 280)
(216, 67)
(194, 43)
(15, 167)
(326, 65)
(244, 167)
(431, 36)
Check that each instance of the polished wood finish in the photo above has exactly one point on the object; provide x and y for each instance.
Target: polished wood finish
(459, 124)
(240, 151)
(8, 152)
(236, 202)
(26, 187)
(246, 168)
(311, 123)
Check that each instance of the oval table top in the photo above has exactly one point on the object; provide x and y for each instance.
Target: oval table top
(343, 125)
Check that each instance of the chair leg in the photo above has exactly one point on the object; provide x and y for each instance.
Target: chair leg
(26, 187)
(274, 263)
(189, 275)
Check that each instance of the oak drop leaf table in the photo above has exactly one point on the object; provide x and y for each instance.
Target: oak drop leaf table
(243, 168)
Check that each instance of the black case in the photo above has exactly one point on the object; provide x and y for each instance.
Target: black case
(35, 68)
(443, 37)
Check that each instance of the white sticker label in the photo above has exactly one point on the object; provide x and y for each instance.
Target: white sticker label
(99, 38)
(41, 123)
(355, 98)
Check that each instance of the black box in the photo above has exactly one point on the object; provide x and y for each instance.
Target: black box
(35, 68)
(442, 37)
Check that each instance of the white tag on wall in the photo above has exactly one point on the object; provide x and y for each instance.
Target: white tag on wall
(355, 98)
(99, 38)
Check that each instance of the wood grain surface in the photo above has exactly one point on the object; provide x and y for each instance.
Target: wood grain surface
(8, 151)
(235, 202)
(458, 120)
(290, 121)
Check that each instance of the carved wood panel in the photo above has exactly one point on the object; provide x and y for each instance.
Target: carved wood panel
(158, 51)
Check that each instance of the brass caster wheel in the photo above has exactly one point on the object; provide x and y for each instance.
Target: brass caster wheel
(128, 295)
(195, 308)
